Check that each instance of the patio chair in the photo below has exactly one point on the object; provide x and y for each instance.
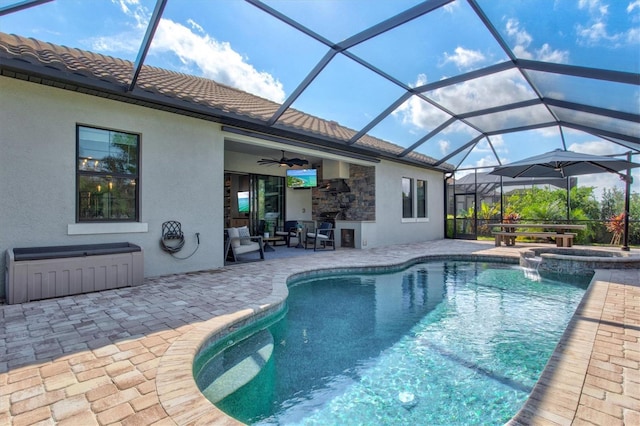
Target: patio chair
(289, 232)
(239, 242)
(323, 236)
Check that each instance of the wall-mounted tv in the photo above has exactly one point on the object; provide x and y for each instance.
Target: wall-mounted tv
(302, 178)
(243, 202)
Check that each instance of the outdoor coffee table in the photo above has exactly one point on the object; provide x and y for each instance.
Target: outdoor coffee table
(267, 246)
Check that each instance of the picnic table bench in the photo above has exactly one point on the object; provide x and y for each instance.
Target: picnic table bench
(510, 232)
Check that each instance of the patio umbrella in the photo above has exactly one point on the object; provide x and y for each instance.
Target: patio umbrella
(561, 164)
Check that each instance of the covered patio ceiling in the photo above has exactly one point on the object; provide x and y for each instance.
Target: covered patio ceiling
(469, 83)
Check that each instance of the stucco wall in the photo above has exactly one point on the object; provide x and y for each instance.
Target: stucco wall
(181, 178)
(181, 175)
(391, 229)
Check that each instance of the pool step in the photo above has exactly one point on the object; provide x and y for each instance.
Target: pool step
(236, 366)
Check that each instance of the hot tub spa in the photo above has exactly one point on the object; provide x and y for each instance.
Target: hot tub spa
(576, 260)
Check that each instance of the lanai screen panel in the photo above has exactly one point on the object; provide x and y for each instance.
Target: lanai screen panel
(513, 119)
(490, 91)
(343, 93)
(433, 46)
(450, 142)
(410, 122)
(596, 34)
(588, 91)
(595, 121)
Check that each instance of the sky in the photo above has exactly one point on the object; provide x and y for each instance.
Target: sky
(235, 43)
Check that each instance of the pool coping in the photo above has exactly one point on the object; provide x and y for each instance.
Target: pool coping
(555, 397)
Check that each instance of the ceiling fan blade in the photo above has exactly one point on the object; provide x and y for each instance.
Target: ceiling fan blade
(268, 161)
(298, 161)
(284, 161)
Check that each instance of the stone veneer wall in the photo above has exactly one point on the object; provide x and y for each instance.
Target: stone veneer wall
(359, 204)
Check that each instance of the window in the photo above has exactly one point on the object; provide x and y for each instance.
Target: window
(414, 200)
(107, 175)
(421, 198)
(407, 197)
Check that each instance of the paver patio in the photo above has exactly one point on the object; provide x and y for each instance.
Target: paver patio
(123, 356)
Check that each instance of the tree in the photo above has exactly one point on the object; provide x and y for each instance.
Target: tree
(582, 198)
(612, 203)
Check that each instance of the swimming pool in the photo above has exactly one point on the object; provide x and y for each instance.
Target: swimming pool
(436, 343)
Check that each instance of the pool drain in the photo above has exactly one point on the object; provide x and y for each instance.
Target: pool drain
(407, 399)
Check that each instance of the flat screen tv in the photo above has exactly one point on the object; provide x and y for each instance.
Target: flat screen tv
(243, 202)
(302, 178)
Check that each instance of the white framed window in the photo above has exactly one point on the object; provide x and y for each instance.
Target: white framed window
(414, 200)
(407, 198)
(422, 211)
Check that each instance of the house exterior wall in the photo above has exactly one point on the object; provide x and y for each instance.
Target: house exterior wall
(390, 227)
(181, 175)
(181, 178)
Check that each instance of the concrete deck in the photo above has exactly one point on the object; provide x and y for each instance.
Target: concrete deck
(124, 356)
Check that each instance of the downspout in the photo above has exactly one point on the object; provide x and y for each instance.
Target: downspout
(475, 202)
(568, 199)
(628, 179)
(501, 200)
(446, 201)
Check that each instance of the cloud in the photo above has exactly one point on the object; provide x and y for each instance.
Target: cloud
(133, 9)
(215, 60)
(498, 143)
(594, 6)
(464, 59)
(595, 148)
(521, 37)
(547, 54)
(127, 41)
(196, 26)
(633, 36)
(120, 44)
(594, 33)
(484, 155)
(497, 89)
(597, 32)
(523, 41)
(486, 161)
(451, 7)
(417, 113)
(194, 48)
(444, 145)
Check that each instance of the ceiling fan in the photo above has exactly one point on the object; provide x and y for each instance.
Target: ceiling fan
(284, 161)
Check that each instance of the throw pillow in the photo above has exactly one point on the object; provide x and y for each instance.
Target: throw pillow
(244, 234)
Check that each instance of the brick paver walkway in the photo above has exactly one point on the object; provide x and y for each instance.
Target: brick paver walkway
(124, 356)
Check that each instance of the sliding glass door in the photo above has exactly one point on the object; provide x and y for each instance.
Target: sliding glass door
(267, 202)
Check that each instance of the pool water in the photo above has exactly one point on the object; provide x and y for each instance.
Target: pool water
(437, 343)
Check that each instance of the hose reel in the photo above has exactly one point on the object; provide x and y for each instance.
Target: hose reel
(172, 240)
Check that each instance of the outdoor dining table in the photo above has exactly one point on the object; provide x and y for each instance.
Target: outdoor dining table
(509, 230)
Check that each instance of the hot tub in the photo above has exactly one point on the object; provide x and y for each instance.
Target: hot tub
(576, 260)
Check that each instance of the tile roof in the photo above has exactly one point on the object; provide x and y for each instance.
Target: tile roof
(111, 75)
